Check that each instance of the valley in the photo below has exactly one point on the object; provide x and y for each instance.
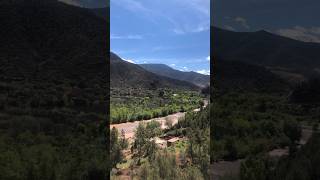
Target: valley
(149, 120)
(265, 107)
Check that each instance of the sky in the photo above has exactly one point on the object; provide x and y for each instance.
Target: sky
(297, 19)
(172, 32)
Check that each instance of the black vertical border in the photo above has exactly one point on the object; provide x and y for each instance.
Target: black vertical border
(107, 97)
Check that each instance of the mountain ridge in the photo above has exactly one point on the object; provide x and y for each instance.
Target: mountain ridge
(165, 70)
(267, 49)
(124, 75)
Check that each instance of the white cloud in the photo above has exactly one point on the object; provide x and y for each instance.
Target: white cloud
(132, 5)
(130, 61)
(191, 16)
(208, 58)
(184, 69)
(230, 28)
(204, 71)
(173, 65)
(72, 2)
(301, 33)
(178, 31)
(166, 48)
(137, 37)
(242, 21)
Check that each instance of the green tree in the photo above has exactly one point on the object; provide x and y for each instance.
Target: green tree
(254, 168)
(115, 148)
(138, 147)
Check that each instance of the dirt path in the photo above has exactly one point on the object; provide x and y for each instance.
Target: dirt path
(129, 127)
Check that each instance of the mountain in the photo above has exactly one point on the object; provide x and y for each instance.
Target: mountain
(292, 18)
(50, 40)
(124, 74)
(87, 3)
(53, 80)
(164, 70)
(268, 50)
(231, 75)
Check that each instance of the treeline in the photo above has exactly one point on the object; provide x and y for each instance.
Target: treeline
(250, 123)
(52, 130)
(197, 126)
(158, 103)
(34, 154)
(302, 161)
(300, 165)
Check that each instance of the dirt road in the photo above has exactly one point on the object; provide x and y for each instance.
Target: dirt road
(129, 127)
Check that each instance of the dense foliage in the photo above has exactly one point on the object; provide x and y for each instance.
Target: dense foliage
(302, 165)
(52, 130)
(139, 104)
(250, 123)
(193, 161)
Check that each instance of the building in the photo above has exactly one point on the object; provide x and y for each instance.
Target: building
(160, 142)
(172, 141)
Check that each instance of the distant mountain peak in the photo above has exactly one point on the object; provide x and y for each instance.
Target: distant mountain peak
(263, 32)
(165, 70)
(124, 74)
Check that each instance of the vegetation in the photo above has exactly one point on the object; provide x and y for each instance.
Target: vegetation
(251, 123)
(49, 130)
(134, 105)
(53, 98)
(117, 145)
(164, 166)
(303, 164)
(144, 144)
(188, 159)
(193, 158)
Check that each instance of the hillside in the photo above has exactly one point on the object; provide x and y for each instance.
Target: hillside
(269, 50)
(125, 74)
(53, 91)
(87, 3)
(164, 70)
(232, 75)
(46, 40)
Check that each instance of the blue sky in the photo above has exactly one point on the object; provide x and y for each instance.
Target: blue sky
(172, 32)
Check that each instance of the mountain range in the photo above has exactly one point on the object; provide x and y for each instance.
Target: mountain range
(282, 55)
(124, 74)
(165, 70)
(87, 3)
(290, 18)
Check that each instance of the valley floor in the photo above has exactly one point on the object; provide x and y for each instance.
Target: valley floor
(126, 169)
(129, 127)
